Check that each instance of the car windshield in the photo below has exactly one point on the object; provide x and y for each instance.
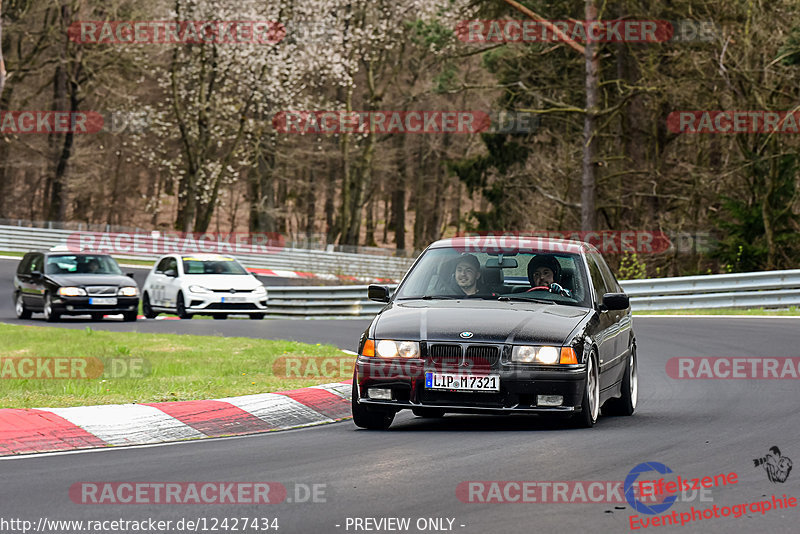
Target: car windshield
(213, 266)
(447, 273)
(81, 264)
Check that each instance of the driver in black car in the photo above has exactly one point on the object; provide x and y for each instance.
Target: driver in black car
(545, 271)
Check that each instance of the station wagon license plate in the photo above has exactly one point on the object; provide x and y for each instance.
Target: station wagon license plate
(462, 382)
(98, 301)
(233, 299)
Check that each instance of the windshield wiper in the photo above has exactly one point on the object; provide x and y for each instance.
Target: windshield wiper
(437, 297)
(524, 299)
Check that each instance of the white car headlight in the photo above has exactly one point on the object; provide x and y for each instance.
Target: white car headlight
(529, 354)
(128, 291)
(387, 348)
(71, 291)
(260, 290)
(198, 289)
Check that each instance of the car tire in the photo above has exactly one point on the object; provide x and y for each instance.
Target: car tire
(220, 316)
(257, 316)
(590, 405)
(20, 309)
(130, 317)
(50, 315)
(364, 417)
(428, 413)
(181, 308)
(97, 316)
(626, 404)
(147, 309)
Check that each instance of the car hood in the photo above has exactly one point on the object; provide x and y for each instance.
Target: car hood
(489, 321)
(223, 281)
(91, 280)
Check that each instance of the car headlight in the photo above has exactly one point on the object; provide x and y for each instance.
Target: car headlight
(128, 291)
(528, 354)
(198, 289)
(71, 291)
(260, 290)
(387, 348)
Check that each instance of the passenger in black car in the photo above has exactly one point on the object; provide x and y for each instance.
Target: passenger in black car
(467, 274)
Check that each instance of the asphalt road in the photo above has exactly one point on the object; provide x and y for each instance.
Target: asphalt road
(696, 427)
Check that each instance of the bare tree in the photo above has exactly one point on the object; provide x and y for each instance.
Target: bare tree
(2, 63)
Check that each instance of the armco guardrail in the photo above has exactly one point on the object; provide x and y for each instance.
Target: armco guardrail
(23, 239)
(771, 289)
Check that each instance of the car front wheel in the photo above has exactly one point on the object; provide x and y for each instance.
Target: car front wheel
(50, 315)
(181, 308)
(20, 309)
(590, 406)
(364, 417)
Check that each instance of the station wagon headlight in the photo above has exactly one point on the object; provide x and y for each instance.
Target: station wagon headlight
(71, 291)
(198, 289)
(128, 291)
(528, 354)
(387, 348)
(260, 290)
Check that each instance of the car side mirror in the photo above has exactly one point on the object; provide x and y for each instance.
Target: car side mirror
(378, 293)
(172, 273)
(616, 301)
(129, 275)
(36, 274)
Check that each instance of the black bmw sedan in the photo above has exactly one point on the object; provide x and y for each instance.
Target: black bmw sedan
(499, 325)
(64, 283)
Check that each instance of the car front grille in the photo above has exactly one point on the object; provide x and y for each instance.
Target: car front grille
(467, 356)
(231, 306)
(98, 291)
(232, 291)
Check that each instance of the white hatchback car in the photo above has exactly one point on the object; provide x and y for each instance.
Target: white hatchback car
(204, 284)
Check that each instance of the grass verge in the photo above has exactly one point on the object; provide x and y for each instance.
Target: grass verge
(153, 367)
(791, 311)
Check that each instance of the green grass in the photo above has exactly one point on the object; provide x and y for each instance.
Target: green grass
(177, 367)
(792, 311)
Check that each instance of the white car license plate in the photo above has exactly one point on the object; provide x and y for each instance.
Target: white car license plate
(97, 301)
(462, 382)
(233, 299)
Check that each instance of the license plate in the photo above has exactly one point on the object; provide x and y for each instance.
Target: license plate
(462, 382)
(233, 299)
(95, 301)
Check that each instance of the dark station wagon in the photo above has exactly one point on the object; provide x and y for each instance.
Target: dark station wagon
(499, 326)
(68, 283)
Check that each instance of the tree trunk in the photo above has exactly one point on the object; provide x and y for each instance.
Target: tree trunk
(399, 195)
(261, 191)
(2, 63)
(588, 183)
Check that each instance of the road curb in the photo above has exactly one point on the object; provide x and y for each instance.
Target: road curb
(84, 427)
